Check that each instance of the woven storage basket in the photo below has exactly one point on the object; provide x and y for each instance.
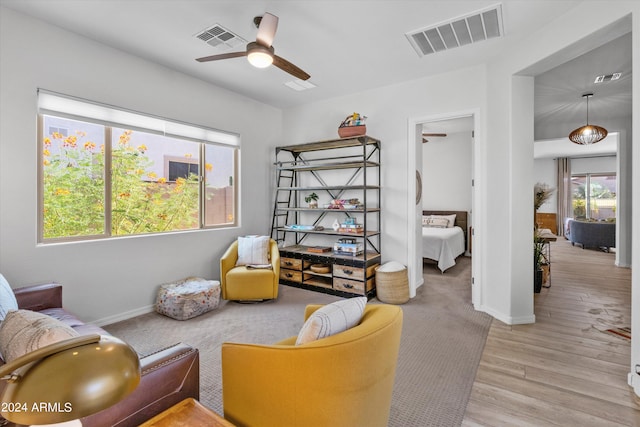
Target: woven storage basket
(392, 283)
(351, 131)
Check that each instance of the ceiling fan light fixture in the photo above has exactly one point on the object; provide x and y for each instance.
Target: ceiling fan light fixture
(259, 56)
(588, 134)
(260, 59)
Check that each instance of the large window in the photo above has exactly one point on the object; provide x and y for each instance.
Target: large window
(594, 196)
(101, 179)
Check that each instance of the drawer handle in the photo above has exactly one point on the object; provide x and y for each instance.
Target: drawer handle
(348, 286)
(347, 271)
(288, 263)
(289, 275)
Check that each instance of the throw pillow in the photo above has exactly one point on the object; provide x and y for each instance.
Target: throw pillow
(438, 223)
(7, 298)
(450, 218)
(253, 250)
(24, 331)
(332, 319)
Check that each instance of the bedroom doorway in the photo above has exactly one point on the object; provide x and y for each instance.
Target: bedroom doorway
(445, 164)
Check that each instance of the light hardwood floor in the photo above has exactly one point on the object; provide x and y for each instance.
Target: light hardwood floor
(562, 370)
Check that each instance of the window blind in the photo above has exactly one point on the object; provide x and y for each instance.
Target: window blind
(76, 108)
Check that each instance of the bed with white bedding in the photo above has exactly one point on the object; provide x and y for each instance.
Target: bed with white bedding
(444, 237)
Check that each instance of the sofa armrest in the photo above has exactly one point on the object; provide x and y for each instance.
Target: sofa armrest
(168, 377)
(39, 297)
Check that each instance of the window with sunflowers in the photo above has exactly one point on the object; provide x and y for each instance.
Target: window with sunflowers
(102, 180)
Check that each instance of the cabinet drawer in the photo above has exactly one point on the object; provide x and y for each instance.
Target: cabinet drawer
(293, 275)
(294, 264)
(356, 273)
(352, 286)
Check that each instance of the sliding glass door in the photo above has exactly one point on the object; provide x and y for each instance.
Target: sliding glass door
(594, 196)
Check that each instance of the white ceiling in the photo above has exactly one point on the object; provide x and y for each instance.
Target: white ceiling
(347, 46)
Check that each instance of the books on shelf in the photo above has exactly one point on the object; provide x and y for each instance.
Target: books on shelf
(348, 253)
(319, 249)
(353, 249)
(350, 227)
(350, 230)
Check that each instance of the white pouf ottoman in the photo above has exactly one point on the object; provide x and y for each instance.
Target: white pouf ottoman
(392, 283)
(188, 298)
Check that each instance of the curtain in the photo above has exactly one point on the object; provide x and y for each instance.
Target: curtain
(563, 192)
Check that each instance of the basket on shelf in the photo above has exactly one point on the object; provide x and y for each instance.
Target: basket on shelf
(352, 126)
(320, 268)
(350, 131)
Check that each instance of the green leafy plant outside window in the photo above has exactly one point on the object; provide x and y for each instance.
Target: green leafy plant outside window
(74, 190)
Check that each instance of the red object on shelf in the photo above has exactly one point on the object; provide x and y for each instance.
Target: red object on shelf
(350, 131)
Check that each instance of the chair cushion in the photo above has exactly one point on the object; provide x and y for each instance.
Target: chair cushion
(7, 298)
(253, 250)
(24, 331)
(332, 319)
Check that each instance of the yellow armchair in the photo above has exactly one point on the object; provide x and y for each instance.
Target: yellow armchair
(242, 283)
(342, 380)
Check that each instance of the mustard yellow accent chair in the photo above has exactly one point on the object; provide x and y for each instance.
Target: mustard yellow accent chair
(244, 284)
(342, 380)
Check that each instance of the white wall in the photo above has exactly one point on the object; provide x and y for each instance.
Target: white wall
(389, 110)
(545, 172)
(107, 279)
(446, 172)
(510, 145)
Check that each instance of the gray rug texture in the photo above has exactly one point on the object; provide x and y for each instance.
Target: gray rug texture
(441, 345)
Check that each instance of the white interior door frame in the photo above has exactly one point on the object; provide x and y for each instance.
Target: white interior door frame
(414, 137)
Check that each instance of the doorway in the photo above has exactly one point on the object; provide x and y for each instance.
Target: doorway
(446, 133)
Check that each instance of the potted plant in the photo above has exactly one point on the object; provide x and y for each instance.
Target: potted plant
(312, 200)
(539, 261)
(541, 193)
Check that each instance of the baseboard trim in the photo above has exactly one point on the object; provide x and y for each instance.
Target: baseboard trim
(124, 316)
(508, 320)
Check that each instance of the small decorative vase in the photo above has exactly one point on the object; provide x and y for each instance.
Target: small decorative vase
(335, 225)
(313, 205)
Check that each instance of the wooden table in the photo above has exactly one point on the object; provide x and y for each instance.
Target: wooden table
(188, 413)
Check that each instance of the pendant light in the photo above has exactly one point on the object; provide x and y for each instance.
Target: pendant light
(588, 134)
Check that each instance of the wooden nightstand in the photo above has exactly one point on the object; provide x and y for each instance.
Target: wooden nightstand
(188, 413)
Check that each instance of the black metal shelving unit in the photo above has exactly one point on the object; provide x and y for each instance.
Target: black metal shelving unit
(302, 168)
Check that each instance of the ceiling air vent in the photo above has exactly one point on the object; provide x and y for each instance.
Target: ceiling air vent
(608, 78)
(221, 38)
(477, 26)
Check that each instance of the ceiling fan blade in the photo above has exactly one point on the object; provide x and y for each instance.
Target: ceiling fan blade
(267, 29)
(221, 56)
(434, 134)
(287, 66)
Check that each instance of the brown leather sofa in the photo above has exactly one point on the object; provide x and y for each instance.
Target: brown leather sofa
(168, 375)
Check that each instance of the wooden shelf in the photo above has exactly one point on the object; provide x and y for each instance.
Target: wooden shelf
(329, 144)
(349, 275)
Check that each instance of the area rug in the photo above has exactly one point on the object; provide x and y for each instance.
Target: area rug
(620, 332)
(441, 345)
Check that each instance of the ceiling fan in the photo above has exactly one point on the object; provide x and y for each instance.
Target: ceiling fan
(260, 53)
(431, 134)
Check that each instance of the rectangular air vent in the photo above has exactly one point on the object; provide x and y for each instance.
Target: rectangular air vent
(608, 78)
(478, 26)
(221, 38)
